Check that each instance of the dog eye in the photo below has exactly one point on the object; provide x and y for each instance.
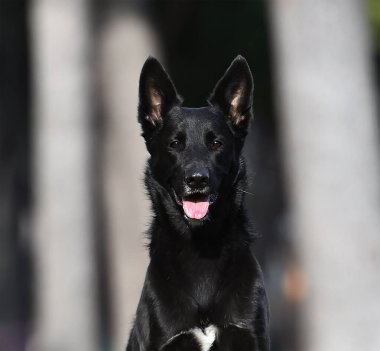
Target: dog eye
(215, 145)
(177, 145)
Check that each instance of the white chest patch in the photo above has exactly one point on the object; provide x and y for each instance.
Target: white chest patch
(205, 337)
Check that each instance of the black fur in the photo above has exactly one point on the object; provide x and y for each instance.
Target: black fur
(202, 271)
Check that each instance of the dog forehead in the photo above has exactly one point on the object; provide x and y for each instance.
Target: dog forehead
(199, 119)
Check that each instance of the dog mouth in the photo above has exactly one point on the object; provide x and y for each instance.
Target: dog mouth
(195, 206)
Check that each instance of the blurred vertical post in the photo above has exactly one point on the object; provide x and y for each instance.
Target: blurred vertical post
(125, 43)
(14, 172)
(330, 139)
(66, 309)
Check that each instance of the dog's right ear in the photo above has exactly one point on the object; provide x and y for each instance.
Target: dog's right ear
(157, 95)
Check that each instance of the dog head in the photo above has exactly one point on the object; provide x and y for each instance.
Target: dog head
(195, 152)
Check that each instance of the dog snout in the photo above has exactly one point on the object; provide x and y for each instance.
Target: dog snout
(197, 179)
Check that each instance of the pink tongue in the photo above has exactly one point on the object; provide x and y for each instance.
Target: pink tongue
(195, 210)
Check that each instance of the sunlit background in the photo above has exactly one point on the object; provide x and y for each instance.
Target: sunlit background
(73, 209)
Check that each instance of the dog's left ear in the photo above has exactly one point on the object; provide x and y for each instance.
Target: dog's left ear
(233, 95)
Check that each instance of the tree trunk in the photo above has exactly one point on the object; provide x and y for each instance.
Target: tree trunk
(330, 140)
(125, 43)
(66, 291)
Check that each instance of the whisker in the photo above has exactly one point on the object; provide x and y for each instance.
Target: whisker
(244, 191)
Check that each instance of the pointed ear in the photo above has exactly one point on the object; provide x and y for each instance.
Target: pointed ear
(233, 94)
(157, 95)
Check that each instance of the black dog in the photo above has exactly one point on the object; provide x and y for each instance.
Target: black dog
(203, 289)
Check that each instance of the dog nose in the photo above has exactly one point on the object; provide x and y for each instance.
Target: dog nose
(197, 179)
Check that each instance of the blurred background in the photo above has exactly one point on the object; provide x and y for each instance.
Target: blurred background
(73, 208)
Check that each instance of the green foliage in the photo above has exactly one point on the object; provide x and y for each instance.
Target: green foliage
(373, 7)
